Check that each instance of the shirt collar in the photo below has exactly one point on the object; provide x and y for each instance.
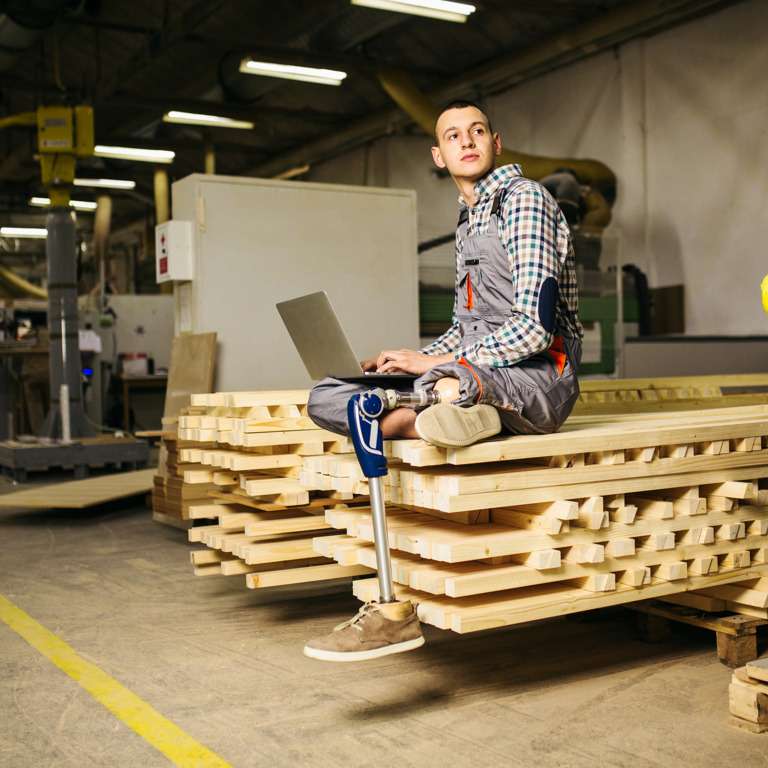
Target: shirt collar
(488, 185)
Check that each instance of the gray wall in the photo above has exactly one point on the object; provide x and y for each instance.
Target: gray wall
(680, 117)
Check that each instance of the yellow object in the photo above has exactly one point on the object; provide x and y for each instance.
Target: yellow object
(55, 132)
(23, 118)
(84, 141)
(177, 745)
(63, 135)
(764, 287)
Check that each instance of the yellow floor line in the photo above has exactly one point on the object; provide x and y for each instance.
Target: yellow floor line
(177, 745)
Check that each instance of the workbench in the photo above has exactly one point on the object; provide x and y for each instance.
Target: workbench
(154, 381)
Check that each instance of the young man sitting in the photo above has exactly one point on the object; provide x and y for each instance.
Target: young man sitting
(509, 361)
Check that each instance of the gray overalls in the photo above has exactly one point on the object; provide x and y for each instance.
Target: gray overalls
(533, 396)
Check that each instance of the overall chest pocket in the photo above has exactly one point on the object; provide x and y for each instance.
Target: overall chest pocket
(472, 289)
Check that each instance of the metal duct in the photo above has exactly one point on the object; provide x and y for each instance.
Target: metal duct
(424, 113)
(21, 28)
(19, 286)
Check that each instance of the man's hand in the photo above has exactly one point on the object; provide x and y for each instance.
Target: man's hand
(407, 361)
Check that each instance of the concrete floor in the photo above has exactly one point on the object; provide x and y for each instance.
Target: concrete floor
(224, 663)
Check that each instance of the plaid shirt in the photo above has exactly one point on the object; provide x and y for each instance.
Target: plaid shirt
(538, 243)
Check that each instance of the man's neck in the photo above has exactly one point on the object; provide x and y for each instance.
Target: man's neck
(467, 186)
(467, 189)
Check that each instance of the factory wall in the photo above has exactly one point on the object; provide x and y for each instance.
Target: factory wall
(680, 117)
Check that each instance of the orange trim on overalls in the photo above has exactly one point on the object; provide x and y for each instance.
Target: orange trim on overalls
(556, 350)
(469, 303)
(463, 362)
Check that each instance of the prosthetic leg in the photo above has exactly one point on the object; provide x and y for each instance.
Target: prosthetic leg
(387, 626)
(364, 411)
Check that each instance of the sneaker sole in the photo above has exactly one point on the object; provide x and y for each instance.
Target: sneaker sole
(456, 422)
(374, 653)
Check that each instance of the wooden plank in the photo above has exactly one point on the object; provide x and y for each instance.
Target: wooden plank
(738, 594)
(758, 670)
(516, 476)
(580, 490)
(712, 381)
(303, 524)
(575, 438)
(748, 701)
(79, 494)
(190, 370)
(304, 575)
(206, 556)
(295, 549)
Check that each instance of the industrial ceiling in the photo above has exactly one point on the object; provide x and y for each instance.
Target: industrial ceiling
(133, 60)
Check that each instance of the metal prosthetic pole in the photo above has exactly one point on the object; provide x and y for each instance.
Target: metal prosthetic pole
(364, 411)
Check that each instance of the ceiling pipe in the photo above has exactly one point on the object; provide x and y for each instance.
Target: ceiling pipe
(424, 113)
(21, 29)
(19, 286)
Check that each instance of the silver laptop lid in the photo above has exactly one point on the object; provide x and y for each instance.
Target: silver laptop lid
(318, 337)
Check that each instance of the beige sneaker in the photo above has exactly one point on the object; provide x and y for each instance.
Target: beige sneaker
(450, 426)
(370, 634)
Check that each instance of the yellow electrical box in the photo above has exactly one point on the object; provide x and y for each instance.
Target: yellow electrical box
(63, 134)
(55, 133)
(84, 131)
(65, 129)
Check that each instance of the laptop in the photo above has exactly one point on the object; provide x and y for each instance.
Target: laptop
(324, 347)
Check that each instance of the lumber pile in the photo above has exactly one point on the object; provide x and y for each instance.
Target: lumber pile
(172, 494)
(623, 504)
(748, 697)
(244, 451)
(614, 508)
(671, 393)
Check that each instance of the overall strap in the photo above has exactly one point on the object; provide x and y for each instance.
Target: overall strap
(493, 223)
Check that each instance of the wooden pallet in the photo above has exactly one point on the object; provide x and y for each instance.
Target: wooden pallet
(736, 633)
(748, 697)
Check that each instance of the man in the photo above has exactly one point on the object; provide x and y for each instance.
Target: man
(509, 360)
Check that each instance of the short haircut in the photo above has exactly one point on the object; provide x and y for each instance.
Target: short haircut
(461, 104)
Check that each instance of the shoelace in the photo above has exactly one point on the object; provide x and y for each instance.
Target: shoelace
(358, 618)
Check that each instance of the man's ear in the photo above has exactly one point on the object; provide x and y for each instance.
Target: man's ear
(497, 143)
(437, 157)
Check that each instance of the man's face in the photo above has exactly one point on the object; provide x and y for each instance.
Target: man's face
(465, 145)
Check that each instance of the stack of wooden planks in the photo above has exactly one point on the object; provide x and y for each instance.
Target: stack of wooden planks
(245, 450)
(748, 697)
(645, 493)
(614, 508)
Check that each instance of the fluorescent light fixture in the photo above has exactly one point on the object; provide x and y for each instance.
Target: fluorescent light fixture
(23, 232)
(78, 205)
(134, 153)
(105, 183)
(190, 118)
(435, 9)
(292, 72)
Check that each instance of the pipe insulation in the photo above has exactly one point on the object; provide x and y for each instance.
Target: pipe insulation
(424, 113)
(23, 26)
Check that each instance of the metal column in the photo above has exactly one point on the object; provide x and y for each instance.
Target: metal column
(66, 417)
